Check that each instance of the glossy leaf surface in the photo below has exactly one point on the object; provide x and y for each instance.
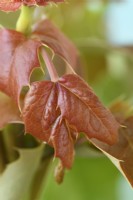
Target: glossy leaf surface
(56, 112)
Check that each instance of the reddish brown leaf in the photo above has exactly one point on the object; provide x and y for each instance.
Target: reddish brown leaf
(9, 5)
(45, 2)
(56, 112)
(18, 58)
(12, 5)
(61, 138)
(121, 153)
(8, 111)
(51, 36)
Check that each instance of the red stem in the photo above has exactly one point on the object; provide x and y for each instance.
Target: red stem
(50, 66)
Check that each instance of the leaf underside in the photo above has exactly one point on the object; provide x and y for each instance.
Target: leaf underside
(9, 111)
(121, 153)
(51, 36)
(19, 56)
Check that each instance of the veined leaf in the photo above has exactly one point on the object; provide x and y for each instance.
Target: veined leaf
(19, 55)
(56, 112)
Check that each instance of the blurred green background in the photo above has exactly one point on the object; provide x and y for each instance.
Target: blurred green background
(109, 70)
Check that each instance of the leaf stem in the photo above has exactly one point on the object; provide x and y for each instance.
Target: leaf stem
(25, 20)
(50, 66)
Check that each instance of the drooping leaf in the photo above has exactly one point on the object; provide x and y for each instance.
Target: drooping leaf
(9, 111)
(13, 5)
(18, 175)
(51, 36)
(56, 112)
(121, 153)
(18, 58)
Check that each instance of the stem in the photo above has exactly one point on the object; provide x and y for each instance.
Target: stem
(25, 20)
(50, 66)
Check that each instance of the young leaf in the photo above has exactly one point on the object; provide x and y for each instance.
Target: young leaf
(51, 36)
(9, 111)
(121, 153)
(19, 56)
(13, 5)
(56, 112)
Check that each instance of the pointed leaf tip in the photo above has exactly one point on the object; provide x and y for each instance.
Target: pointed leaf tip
(58, 112)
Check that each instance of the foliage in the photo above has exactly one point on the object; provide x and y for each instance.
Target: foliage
(56, 111)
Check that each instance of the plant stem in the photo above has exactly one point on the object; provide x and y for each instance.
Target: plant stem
(25, 20)
(50, 66)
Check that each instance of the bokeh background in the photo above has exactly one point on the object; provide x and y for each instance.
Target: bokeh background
(103, 33)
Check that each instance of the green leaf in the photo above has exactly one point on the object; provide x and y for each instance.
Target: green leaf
(17, 177)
